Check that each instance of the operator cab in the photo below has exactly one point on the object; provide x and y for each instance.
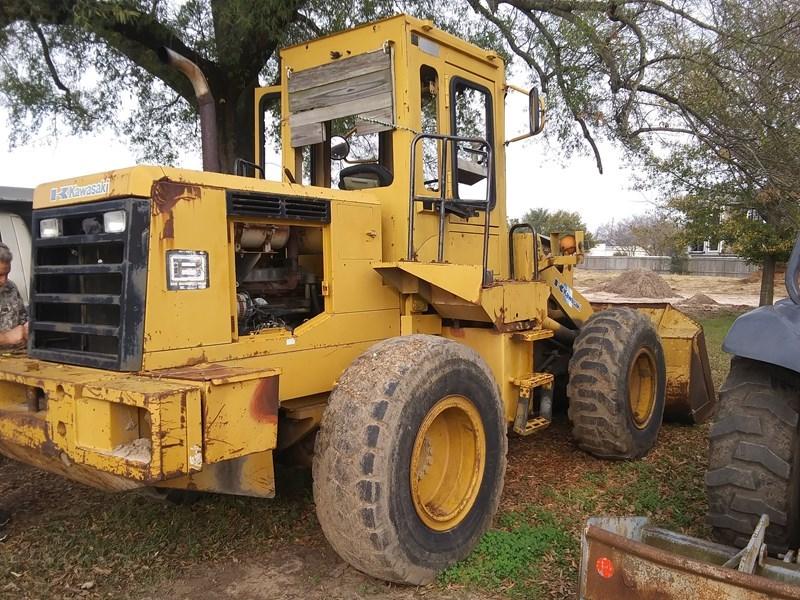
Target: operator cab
(397, 110)
(334, 120)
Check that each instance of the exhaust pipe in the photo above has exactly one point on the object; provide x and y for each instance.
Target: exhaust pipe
(205, 102)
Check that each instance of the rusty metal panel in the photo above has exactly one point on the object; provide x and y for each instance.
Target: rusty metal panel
(637, 570)
(87, 422)
(239, 408)
(251, 475)
(216, 373)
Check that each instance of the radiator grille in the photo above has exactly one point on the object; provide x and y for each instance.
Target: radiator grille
(88, 289)
(278, 207)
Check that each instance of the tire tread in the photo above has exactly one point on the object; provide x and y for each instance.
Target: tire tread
(754, 454)
(599, 424)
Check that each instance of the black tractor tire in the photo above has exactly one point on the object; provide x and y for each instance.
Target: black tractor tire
(754, 456)
(604, 423)
(363, 456)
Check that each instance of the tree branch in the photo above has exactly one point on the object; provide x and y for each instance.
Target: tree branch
(509, 37)
(305, 20)
(51, 67)
(559, 69)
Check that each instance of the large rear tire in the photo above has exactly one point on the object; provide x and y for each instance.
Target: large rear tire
(754, 456)
(410, 458)
(617, 385)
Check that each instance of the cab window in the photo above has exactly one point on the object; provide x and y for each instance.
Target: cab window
(271, 149)
(471, 117)
(429, 122)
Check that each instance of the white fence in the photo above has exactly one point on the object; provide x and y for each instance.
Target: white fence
(722, 266)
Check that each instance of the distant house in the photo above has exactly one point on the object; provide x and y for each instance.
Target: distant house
(708, 248)
(603, 249)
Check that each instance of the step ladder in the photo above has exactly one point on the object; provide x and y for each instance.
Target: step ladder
(524, 422)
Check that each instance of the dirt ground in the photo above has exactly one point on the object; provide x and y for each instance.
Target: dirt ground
(292, 573)
(735, 291)
(298, 567)
(66, 528)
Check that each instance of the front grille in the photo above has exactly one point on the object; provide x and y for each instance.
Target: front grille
(278, 206)
(88, 292)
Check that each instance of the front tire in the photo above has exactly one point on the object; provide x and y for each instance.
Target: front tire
(754, 456)
(617, 385)
(410, 458)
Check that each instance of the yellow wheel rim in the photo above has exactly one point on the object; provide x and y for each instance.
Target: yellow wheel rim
(642, 387)
(447, 463)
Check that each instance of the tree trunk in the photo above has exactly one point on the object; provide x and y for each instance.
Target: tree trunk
(235, 128)
(767, 281)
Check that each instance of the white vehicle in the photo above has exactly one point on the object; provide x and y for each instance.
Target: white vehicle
(15, 210)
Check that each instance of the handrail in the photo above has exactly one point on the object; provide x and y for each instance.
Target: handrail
(241, 164)
(446, 140)
(511, 232)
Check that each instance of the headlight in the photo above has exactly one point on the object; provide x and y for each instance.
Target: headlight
(187, 270)
(50, 228)
(114, 221)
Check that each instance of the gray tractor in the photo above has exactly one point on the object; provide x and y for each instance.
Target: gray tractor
(754, 456)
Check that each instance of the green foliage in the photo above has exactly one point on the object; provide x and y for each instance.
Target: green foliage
(546, 221)
(81, 66)
(507, 557)
(715, 329)
(751, 229)
(738, 177)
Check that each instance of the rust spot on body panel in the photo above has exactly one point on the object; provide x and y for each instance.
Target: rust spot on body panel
(264, 402)
(169, 228)
(166, 194)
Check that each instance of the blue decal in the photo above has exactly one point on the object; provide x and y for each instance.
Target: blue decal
(566, 291)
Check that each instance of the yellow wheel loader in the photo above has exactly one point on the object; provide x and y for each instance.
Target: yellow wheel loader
(354, 297)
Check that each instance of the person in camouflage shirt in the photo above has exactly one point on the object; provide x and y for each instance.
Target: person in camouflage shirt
(13, 316)
(13, 329)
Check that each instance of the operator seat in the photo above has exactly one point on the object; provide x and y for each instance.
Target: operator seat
(363, 176)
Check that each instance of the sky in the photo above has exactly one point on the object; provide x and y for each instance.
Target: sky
(535, 178)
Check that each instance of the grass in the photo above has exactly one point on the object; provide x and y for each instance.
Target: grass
(69, 536)
(715, 328)
(534, 553)
(508, 558)
(110, 542)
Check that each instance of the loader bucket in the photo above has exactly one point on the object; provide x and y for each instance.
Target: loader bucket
(690, 397)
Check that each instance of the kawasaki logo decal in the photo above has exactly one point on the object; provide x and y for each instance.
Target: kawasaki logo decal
(67, 192)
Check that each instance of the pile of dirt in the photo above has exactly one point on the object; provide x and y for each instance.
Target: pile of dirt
(755, 276)
(699, 300)
(638, 284)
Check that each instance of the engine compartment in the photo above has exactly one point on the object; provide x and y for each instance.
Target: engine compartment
(279, 272)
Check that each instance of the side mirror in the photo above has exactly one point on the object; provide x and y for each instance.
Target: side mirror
(340, 148)
(535, 112)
